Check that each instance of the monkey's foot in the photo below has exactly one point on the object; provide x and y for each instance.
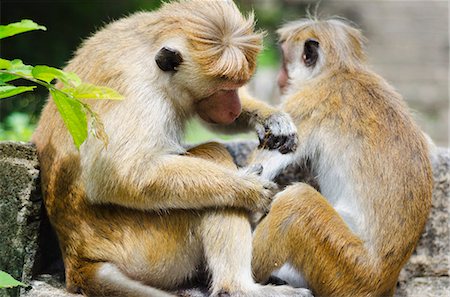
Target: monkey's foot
(268, 291)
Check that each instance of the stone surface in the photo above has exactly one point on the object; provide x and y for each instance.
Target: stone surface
(241, 150)
(427, 271)
(425, 287)
(432, 253)
(47, 286)
(20, 206)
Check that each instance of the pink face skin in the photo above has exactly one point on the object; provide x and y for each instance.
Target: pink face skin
(283, 76)
(222, 107)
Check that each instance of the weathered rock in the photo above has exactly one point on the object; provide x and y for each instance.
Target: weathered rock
(20, 206)
(429, 266)
(432, 253)
(47, 286)
(425, 287)
(241, 150)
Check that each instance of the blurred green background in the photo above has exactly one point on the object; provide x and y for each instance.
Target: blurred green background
(68, 22)
(408, 44)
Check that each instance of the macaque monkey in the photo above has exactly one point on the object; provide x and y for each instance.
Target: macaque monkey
(140, 216)
(370, 161)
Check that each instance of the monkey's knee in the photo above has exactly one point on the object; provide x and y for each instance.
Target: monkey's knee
(293, 197)
(285, 217)
(215, 152)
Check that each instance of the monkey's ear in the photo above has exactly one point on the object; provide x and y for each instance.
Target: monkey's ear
(310, 52)
(168, 59)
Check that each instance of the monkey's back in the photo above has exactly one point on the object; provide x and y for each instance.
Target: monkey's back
(369, 148)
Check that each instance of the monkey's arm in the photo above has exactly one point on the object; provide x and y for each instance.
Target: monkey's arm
(174, 182)
(274, 128)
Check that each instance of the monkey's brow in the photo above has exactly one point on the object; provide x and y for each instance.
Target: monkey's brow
(226, 79)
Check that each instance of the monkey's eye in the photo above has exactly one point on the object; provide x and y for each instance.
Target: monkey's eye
(310, 52)
(168, 59)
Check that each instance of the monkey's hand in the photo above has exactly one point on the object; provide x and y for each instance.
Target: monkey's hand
(277, 132)
(266, 188)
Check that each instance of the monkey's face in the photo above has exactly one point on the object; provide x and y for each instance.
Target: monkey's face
(210, 53)
(311, 47)
(214, 99)
(301, 61)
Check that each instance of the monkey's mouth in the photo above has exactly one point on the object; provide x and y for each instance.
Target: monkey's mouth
(209, 120)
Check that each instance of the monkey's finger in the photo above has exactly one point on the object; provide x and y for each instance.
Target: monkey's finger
(281, 141)
(275, 141)
(255, 169)
(269, 142)
(261, 132)
(269, 185)
(290, 145)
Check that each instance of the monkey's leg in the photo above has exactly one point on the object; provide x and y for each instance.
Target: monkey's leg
(227, 243)
(105, 279)
(226, 237)
(304, 230)
(226, 234)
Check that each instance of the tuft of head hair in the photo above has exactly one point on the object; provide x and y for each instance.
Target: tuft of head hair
(341, 42)
(220, 39)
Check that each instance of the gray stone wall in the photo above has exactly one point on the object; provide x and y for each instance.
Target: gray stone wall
(20, 208)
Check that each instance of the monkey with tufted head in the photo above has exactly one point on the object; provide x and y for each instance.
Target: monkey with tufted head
(141, 216)
(370, 161)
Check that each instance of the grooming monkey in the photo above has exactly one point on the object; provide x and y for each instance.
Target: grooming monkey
(140, 216)
(370, 161)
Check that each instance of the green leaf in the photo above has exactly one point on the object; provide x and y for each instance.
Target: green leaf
(5, 64)
(73, 115)
(17, 66)
(7, 281)
(48, 74)
(8, 90)
(20, 27)
(14, 66)
(5, 77)
(88, 91)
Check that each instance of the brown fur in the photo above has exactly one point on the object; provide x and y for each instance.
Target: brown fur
(143, 214)
(365, 149)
